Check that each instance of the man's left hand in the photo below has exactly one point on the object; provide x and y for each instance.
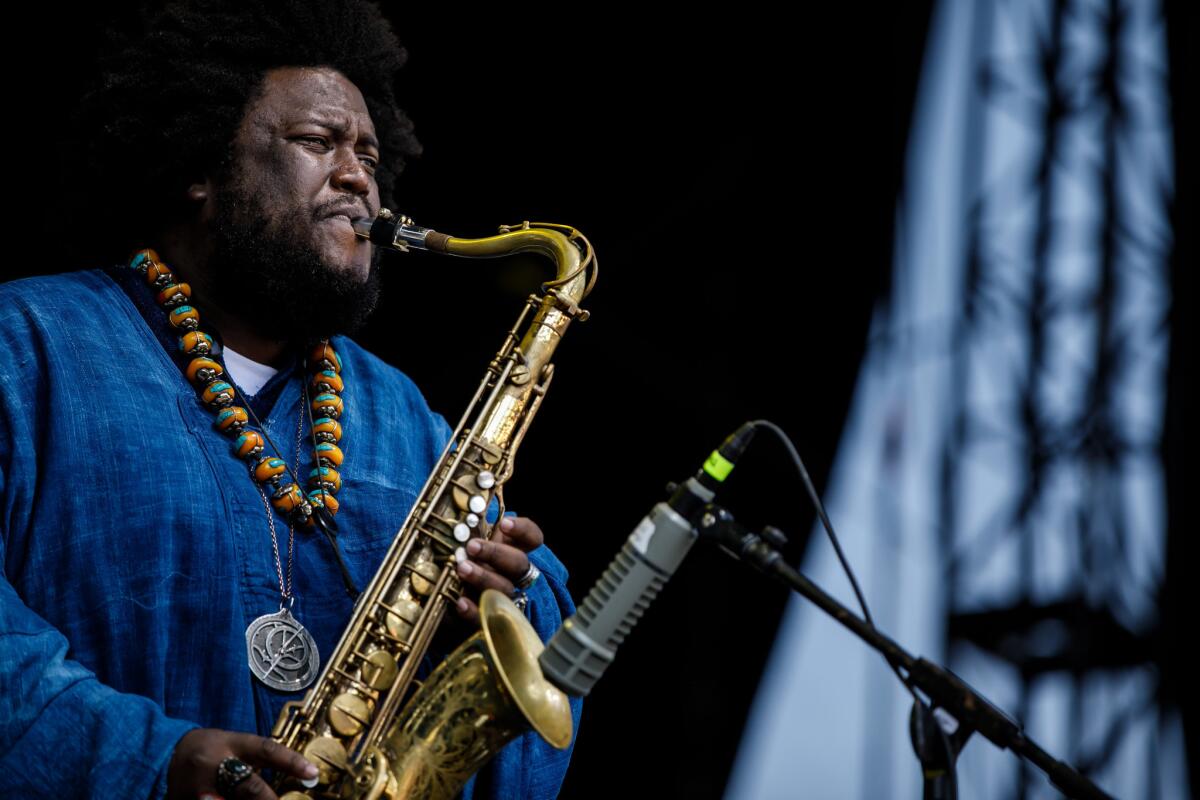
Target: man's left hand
(497, 564)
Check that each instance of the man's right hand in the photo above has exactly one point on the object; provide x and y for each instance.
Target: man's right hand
(193, 769)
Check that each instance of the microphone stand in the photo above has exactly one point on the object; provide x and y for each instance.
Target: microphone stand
(968, 710)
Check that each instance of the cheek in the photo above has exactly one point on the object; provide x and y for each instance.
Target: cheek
(287, 174)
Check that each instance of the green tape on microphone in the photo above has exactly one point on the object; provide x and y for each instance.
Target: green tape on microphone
(718, 466)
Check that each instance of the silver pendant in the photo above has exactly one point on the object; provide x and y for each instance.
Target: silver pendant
(282, 654)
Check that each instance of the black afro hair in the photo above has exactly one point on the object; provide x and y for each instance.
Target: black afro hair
(173, 88)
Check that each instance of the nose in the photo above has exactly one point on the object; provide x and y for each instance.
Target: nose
(349, 174)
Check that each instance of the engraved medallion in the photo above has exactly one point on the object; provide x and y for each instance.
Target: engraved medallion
(282, 653)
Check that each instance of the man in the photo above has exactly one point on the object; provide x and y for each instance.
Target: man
(244, 138)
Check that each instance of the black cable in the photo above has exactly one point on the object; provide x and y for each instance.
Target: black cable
(837, 548)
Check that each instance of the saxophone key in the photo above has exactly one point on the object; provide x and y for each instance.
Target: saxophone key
(421, 585)
(401, 615)
(349, 713)
(379, 670)
(424, 575)
(351, 677)
(461, 492)
(440, 530)
(328, 755)
(489, 453)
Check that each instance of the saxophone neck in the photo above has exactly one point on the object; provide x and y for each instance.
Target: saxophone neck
(575, 262)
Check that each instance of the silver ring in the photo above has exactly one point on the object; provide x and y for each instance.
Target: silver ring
(531, 575)
(232, 772)
(520, 601)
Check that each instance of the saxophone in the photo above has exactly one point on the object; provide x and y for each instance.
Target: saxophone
(369, 726)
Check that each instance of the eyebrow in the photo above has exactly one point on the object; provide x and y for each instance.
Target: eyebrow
(340, 127)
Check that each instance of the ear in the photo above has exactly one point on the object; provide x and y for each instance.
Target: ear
(200, 192)
(201, 199)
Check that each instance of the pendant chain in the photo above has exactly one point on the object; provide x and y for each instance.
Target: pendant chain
(285, 591)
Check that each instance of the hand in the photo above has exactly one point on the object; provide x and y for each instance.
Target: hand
(497, 564)
(193, 769)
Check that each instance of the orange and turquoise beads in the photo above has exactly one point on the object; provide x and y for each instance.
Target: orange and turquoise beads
(327, 429)
(327, 405)
(322, 499)
(327, 381)
(174, 297)
(268, 469)
(325, 478)
(329, 455)
(324, 357)
(288, 499)
(176, 294)
(217, 394)
(202, 370)
(249, 444)
(232, 419)
(184, 318)
(157, 273)
(196, 343)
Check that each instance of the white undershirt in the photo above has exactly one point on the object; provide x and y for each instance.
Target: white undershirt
(250, 376)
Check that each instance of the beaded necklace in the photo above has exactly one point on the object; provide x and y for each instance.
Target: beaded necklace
(281, 653)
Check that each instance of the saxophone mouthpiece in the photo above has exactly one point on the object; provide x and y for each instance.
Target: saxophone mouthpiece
(398, 232)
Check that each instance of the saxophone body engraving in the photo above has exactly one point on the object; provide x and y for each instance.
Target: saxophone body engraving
(369, 726)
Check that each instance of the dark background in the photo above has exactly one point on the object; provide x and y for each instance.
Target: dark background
(737, 175)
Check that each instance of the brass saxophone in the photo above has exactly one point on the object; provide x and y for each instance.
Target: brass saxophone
(372, 730)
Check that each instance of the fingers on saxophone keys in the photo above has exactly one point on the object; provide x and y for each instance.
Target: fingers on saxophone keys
(523, 532)
(468, 611)
(503, 558)
(261, 751)
(482, 576)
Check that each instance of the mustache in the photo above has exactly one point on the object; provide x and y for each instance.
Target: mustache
(352, 208)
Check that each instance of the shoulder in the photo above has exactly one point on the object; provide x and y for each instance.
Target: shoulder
(52, 296)
(54, 318)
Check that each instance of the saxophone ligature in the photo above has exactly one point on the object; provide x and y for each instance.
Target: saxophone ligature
(369, 726)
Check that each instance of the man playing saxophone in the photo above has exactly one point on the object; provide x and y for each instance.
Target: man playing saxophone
(198, 468)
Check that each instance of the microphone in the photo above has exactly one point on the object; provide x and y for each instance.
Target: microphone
(579, 652)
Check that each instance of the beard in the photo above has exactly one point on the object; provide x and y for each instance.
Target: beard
(264, 273)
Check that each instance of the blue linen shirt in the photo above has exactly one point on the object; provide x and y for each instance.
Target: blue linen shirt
(135, 548)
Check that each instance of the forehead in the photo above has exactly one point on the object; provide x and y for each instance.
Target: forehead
(295, 94)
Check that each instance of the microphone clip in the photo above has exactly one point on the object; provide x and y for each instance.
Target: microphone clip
(760, 550)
